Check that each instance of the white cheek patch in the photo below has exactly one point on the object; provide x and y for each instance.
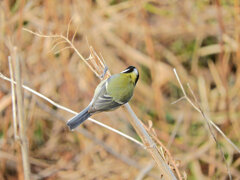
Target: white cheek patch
(135, 71)
(126, 70)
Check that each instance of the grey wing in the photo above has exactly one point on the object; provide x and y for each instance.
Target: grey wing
(103, 102)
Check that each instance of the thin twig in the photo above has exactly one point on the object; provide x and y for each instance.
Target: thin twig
(199, 109)
(13, 99)
(68, 41)
(211, 122)
(57, 43)
(211, 131)
(74, 34)
(145, 171)
(174, 132)
(178, 100)
(67, 47)
(69, 27)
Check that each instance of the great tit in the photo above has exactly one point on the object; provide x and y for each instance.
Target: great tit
(109, 95)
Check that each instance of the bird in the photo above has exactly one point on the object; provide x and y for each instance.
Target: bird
(110, 94)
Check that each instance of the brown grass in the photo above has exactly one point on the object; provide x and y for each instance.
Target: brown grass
(198, 38)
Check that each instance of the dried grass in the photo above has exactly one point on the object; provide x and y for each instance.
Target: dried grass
(155, 37)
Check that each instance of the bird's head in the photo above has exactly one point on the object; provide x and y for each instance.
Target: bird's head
(133, 72)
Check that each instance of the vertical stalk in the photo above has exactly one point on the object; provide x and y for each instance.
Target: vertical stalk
(21, 120)
(13, 99)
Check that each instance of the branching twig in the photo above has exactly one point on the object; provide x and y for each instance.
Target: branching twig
(67, 47)
(67, 41)
(211, 131)
(57, 44)
(209, 120)
(199, 109)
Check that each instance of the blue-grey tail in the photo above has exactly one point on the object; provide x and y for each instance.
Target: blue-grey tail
(78, 119)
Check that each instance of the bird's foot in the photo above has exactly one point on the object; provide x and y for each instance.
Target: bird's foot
(104, 72)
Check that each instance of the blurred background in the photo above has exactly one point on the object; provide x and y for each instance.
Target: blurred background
(199, 38)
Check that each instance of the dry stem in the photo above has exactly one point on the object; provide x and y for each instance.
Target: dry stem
(208, 121)
(22, 131)
(150, 145)
(13, 100)
(197, 109)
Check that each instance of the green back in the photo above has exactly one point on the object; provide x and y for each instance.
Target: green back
(120, 87)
